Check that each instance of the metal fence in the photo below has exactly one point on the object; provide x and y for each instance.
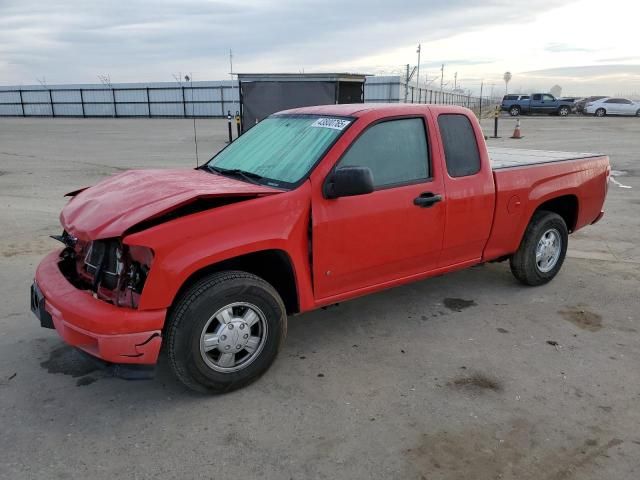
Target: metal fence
(200, 99)
(394, 90)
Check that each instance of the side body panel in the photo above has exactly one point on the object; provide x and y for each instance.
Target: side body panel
(525, 106)
(521, 190)
(369, 240)
(282, 222)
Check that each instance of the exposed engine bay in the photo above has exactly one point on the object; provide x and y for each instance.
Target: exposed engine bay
(114, 272)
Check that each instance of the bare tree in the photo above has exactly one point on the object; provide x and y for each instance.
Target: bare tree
(105, 80)
(556, 91)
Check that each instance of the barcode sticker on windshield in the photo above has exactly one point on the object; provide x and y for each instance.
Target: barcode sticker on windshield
(334, 123)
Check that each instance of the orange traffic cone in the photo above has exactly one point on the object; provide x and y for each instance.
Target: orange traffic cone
(516, 132)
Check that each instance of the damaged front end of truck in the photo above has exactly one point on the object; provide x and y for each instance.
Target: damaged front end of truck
(114, 272)
(91, 290)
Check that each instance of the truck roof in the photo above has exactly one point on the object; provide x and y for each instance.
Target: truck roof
(358, 109)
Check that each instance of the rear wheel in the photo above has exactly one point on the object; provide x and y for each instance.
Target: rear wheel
(601, 112)
(638, 113)
(542, 250)
(563, 111)
(225, 331)
(514, 111)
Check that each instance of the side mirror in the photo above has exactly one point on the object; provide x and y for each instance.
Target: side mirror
(348, 181)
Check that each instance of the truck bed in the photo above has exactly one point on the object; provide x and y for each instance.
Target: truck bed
(516, 157)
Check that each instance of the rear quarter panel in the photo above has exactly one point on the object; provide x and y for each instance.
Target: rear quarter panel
(521, 190)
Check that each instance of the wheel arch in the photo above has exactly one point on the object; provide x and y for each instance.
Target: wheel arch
(566, 206)
(274, 266)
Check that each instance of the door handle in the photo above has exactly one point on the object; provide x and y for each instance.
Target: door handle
(427, 199)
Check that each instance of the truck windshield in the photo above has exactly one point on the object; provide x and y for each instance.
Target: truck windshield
(281, 149)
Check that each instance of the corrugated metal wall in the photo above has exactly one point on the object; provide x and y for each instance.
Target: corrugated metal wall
(382, 89)
(163, 99)
(172, 99)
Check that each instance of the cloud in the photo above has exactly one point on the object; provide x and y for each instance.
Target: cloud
(619, 59)
(587, 71)
(139, 40)
(564, 48)
(619, 80)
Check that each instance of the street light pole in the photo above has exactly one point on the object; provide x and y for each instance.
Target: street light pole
(507, 78)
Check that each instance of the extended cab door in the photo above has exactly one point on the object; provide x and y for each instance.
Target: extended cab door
(389, 234)
(549, 104)
(469, 188)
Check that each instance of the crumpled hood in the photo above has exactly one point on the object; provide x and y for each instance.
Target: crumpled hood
(116, 204)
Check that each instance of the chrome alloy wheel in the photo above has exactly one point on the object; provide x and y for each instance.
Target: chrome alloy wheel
(233, 337)
(548, 250)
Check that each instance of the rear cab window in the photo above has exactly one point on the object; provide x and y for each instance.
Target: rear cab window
(461, 153)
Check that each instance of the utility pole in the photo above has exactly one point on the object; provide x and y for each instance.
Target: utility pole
(410, 75)
(481, 87)
(418, 71)
(231, 74)
(455, 80)
(406, 88)
(441, 77)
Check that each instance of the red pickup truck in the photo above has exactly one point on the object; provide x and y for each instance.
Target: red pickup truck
(310, 207)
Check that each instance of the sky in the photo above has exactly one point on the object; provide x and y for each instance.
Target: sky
(585, 46)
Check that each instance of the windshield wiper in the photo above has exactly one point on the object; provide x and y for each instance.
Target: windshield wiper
(248, 176)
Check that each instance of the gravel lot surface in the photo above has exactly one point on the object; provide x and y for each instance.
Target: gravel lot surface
(468, 375)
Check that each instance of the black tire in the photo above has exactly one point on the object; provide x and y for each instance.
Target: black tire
(523, 263)
(564, 111)
(514, 111)
(193, 311)
(601, 112)
(638, 113)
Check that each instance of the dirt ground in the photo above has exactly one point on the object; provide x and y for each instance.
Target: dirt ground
(468, 375)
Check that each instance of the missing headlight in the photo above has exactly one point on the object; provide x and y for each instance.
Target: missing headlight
(104, 263)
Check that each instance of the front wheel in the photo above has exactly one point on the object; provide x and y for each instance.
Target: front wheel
(514, 111)
(542, 250)
(638, 113)
(601, 112)
(563, 111)
(225, 331)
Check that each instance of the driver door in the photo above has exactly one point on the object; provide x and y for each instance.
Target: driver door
(387, 235)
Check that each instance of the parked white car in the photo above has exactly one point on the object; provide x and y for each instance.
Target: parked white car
(612, 106)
